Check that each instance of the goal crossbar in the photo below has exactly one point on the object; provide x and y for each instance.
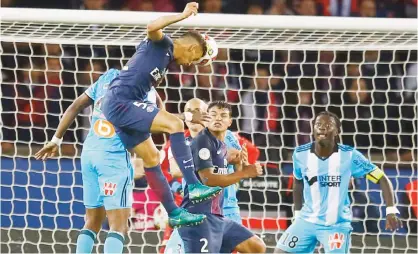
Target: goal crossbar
(87, 27)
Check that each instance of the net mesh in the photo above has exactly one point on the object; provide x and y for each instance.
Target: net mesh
(276, 80)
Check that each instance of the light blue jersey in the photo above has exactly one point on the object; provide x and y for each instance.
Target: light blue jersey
(231, 208)
(326, 215)
(102, 134)
(106, 166)
(326, 180)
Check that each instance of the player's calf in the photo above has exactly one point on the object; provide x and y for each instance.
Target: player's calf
(118, 222)
(251, 245)
(87, 236)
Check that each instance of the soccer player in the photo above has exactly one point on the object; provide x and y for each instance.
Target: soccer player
(230, 206)
(106, 168)
(134, 119)
(217, 234)
(322, 172)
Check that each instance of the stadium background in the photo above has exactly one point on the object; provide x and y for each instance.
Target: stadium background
(275, 95)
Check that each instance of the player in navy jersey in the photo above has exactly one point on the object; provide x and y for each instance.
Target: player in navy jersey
(106, 168)
(322, 172)
(217, 234)
(134, 119)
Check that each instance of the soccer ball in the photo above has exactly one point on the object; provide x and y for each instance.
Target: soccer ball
(211, 52)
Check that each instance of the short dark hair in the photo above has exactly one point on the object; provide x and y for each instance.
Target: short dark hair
(197, 37)
(330, 114)
(221, 105)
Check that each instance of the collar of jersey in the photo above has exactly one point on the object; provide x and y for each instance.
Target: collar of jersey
(322, 158)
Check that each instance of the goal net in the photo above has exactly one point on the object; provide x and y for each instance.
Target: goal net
(276, 71)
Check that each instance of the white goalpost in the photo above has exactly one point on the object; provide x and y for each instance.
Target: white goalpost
(276, 71)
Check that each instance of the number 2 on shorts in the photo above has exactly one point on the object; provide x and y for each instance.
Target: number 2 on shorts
(205, 245)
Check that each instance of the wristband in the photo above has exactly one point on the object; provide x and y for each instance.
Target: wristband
(296, 214)
(56, 140)
(392, 210)
(188, 116)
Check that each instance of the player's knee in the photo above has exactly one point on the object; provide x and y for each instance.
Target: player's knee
(257, 245)
(152, 158)
(176, 125)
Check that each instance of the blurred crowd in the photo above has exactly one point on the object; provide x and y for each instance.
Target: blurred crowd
(357, 8)
(275, 93)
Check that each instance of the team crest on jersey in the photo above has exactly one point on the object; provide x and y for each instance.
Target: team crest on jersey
(109, 189)
(150, 109)
(204, 154)
(336, 241)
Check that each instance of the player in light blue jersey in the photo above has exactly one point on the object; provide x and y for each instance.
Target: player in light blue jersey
(322, 171)
(106, 167)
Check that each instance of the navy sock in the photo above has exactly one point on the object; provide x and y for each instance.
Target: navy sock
(161, 188)
(183, 156)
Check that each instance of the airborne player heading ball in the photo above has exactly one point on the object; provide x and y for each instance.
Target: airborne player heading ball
(134, 120)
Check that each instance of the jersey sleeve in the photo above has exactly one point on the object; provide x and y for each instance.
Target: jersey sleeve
(92, 90)
(165, 42)
(231, 141)
(201, 150)
(361, 166)
(297, 172)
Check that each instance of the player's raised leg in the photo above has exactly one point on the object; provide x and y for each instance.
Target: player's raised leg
(158, 183)
(168, 123)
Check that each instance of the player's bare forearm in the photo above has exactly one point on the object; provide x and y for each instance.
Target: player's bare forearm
(82, 102)
(297, 194)
(154, 29)
(211, 179)
(387, 191)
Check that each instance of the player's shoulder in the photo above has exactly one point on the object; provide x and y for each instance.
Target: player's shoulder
(107, 78)
(231, 140)
(303, 148)
(202, 136)
(345, 148)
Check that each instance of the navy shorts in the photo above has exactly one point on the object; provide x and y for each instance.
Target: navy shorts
(132, 119)
(215, 235)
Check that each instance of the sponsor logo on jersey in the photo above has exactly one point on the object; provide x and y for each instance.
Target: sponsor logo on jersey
(324, 180)
(109, 189)
(335, 241)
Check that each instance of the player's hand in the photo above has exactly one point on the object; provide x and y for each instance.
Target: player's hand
(48, 151)
(190, 9)
(200, 118)
(393, 222)
(253, 170)
(234, 156)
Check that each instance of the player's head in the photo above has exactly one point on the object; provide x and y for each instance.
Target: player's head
(221, 116)
(189, 47)
(327, 127)
(192, 106)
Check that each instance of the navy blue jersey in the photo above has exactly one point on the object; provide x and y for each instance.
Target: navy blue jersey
(208, 152)
(146, 68)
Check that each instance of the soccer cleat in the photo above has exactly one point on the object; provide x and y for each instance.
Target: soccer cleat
(181, 217)
(199, 192)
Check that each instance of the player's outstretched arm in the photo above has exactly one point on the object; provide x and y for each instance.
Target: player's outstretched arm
(211, 179)
(50, 149)
(154, 29)
(392, 220)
